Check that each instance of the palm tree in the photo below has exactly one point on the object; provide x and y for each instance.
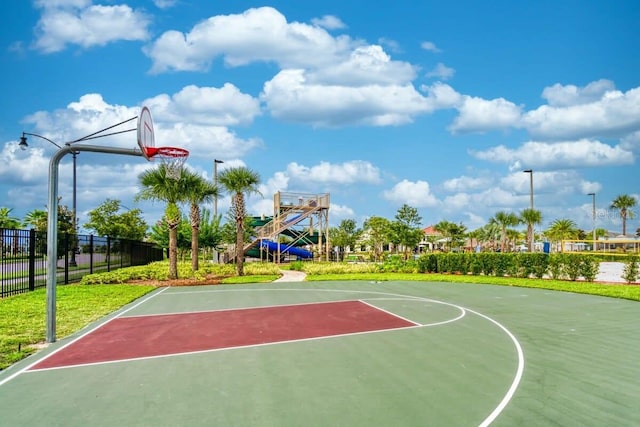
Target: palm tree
(37, 219)
(8, 222)
(530, 217)
(624, 203)
(157, 186)
(490, 233)
(198, 190)
(238, 181)
(562, 229)
(504, 220)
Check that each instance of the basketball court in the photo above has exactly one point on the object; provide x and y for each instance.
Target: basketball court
(339, 354)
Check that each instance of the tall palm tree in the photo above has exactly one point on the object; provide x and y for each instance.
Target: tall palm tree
(504, 220)
(624, 203)
(530, 217)
(238, 182)
(198, 190)
(157, 186)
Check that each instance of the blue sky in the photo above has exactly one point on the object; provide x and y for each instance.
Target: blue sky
(440, 105)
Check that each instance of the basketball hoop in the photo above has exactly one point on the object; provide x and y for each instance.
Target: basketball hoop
(172, 158)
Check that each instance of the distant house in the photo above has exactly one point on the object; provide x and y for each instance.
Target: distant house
(432, 239)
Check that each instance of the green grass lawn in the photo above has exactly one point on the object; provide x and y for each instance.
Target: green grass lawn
(24, 316)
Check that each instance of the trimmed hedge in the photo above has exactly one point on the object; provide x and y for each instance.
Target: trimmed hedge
(525, 265)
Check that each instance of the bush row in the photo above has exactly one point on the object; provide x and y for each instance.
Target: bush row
(526, 265)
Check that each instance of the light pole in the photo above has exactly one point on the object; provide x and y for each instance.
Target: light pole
(216, 162)
(24, 145)
(530, 172)
(593, 217)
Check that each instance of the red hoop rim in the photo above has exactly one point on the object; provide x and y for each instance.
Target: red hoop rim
(166, 152)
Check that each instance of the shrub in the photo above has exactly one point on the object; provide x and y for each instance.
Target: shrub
(427, 263)
(556, 270)
(540, 265)
(589, 268)
(631, 270)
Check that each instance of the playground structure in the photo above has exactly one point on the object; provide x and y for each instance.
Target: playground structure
(299, 228)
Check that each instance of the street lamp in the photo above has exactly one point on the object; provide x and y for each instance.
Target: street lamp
(530, 172)
(216, 162)
(23, 146)
(593, 217)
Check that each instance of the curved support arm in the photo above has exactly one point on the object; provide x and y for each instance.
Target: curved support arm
(52, 222)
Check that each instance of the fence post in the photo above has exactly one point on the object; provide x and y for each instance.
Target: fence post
(32, 259)
(91, 254)
(66, 259)
(108, 253)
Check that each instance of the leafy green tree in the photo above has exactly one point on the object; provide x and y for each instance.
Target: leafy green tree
(198, 190)
(345, 235)
(157, 186)
(160, 235)
(530, 217)
(504, 220)
(624, 203)
(106, 220)
(406, 228)
(378, 230)
(454, 233)
(210, 230)
(238, 182)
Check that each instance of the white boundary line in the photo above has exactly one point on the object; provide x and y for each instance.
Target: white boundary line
(29, 366)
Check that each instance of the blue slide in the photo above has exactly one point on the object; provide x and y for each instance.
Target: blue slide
(285, 249)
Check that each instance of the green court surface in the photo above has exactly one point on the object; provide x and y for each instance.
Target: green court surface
(473, 355)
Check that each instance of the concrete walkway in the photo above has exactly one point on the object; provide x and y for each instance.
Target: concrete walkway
(291, 276)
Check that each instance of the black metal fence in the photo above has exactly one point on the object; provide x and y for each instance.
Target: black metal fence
(23, 258)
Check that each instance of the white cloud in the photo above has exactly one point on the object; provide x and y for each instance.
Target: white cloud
(614, 113)
(340, 212)
(259, 34)
(329, 22)
(583, 153)
(481, 115)
(465, 183)
(290, 97)
(416, 194)
(365, 65)
(441, 71)
(430, 46)
(347, 173)
(80, 23)
(631, 142)
(564, 96)
(442, 96)
(225, 106)
(165, 4)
